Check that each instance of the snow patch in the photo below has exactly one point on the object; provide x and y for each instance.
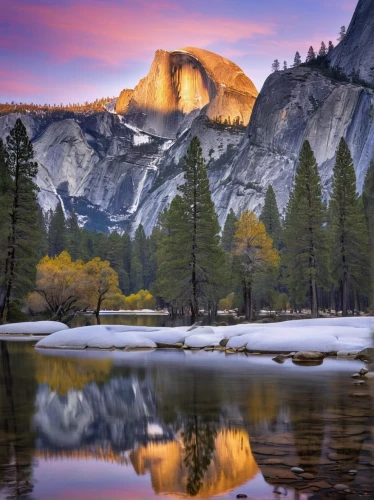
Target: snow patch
(33, 328)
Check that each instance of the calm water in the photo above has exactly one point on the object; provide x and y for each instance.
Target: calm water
(141, 425)
(148, 320)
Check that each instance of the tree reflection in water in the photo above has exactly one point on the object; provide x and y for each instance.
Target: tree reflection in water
(17, 443)
(186, 431)
(199, 444)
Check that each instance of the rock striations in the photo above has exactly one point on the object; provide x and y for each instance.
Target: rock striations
(121, 169)
(184, 81)
(355, 53)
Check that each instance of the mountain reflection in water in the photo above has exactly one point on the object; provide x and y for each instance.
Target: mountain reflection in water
(178, 426)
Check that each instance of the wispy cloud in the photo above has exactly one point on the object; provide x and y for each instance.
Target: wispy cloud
(112, 32)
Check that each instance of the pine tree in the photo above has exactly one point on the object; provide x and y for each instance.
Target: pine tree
(275, 66)
(342, 34)
(127, 253)
(311, 56)
(270, 216)
(57, 238)
(305, 250)
(22, 240)
(285, 65)
(323, 50)
(43, 232)
(349, 238)
(297, 60)
(5, 202)
(139, 273)
(229, 230)
(191, 261)
(368, 200)
(115, 255)
(331, 47)
(73, 236)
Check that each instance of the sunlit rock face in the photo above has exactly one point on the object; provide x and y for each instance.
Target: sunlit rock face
(183, 81)
(355, 52)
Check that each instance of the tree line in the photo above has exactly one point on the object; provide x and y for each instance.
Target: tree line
(312, 56)
(21, 107)
(318, 256)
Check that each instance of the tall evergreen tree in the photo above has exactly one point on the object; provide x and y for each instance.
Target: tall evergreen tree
(127, 253)
(139, 273)
(270, 216)
(331, 47)
(5, 202)
(191, 261)
(304, 236)
(275, 66)
(73, 236)
(23, 234)
(43, 232)
(229, 230)
(368, 199)
(349, 238)
(297, 60)
(311, 56)
(57, 238)
(323, 50)
(285, 65)
(115, 255)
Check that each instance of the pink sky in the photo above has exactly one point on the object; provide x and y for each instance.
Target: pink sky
(73, 51)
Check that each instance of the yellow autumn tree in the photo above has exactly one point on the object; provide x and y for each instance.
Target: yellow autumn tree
(254, 252)
(141, 300)
(64, 286)
(59, 285)
(101, 283)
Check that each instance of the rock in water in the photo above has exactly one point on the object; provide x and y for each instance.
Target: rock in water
(308, 356)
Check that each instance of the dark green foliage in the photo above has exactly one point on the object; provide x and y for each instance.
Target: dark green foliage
(297, 60)
(311, 56)
(5, 202)
(229, 230)
(22, 217)
(57, 236)
(191, 262)
(347, 228)
(73, 236)
(43, 235)
(116, 256)
(305, 250)
(140, 271)
(270, 216)
(368, 200)
(323, 50)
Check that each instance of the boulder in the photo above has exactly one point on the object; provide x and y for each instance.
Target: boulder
(308, 356)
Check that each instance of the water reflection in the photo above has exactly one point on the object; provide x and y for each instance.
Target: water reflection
(183, 428)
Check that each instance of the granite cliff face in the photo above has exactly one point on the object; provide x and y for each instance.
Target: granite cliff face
(119, 169)
(355, 52)
(293, 106)
(185, 81)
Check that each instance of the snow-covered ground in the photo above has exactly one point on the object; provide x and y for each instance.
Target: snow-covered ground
(33, 328)
(323, 335)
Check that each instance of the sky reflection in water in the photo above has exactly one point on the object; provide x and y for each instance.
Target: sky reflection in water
(141, 424)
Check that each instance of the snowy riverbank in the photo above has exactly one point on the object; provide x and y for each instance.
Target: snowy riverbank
(328, 336)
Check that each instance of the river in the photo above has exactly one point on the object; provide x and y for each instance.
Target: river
(141, 425)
